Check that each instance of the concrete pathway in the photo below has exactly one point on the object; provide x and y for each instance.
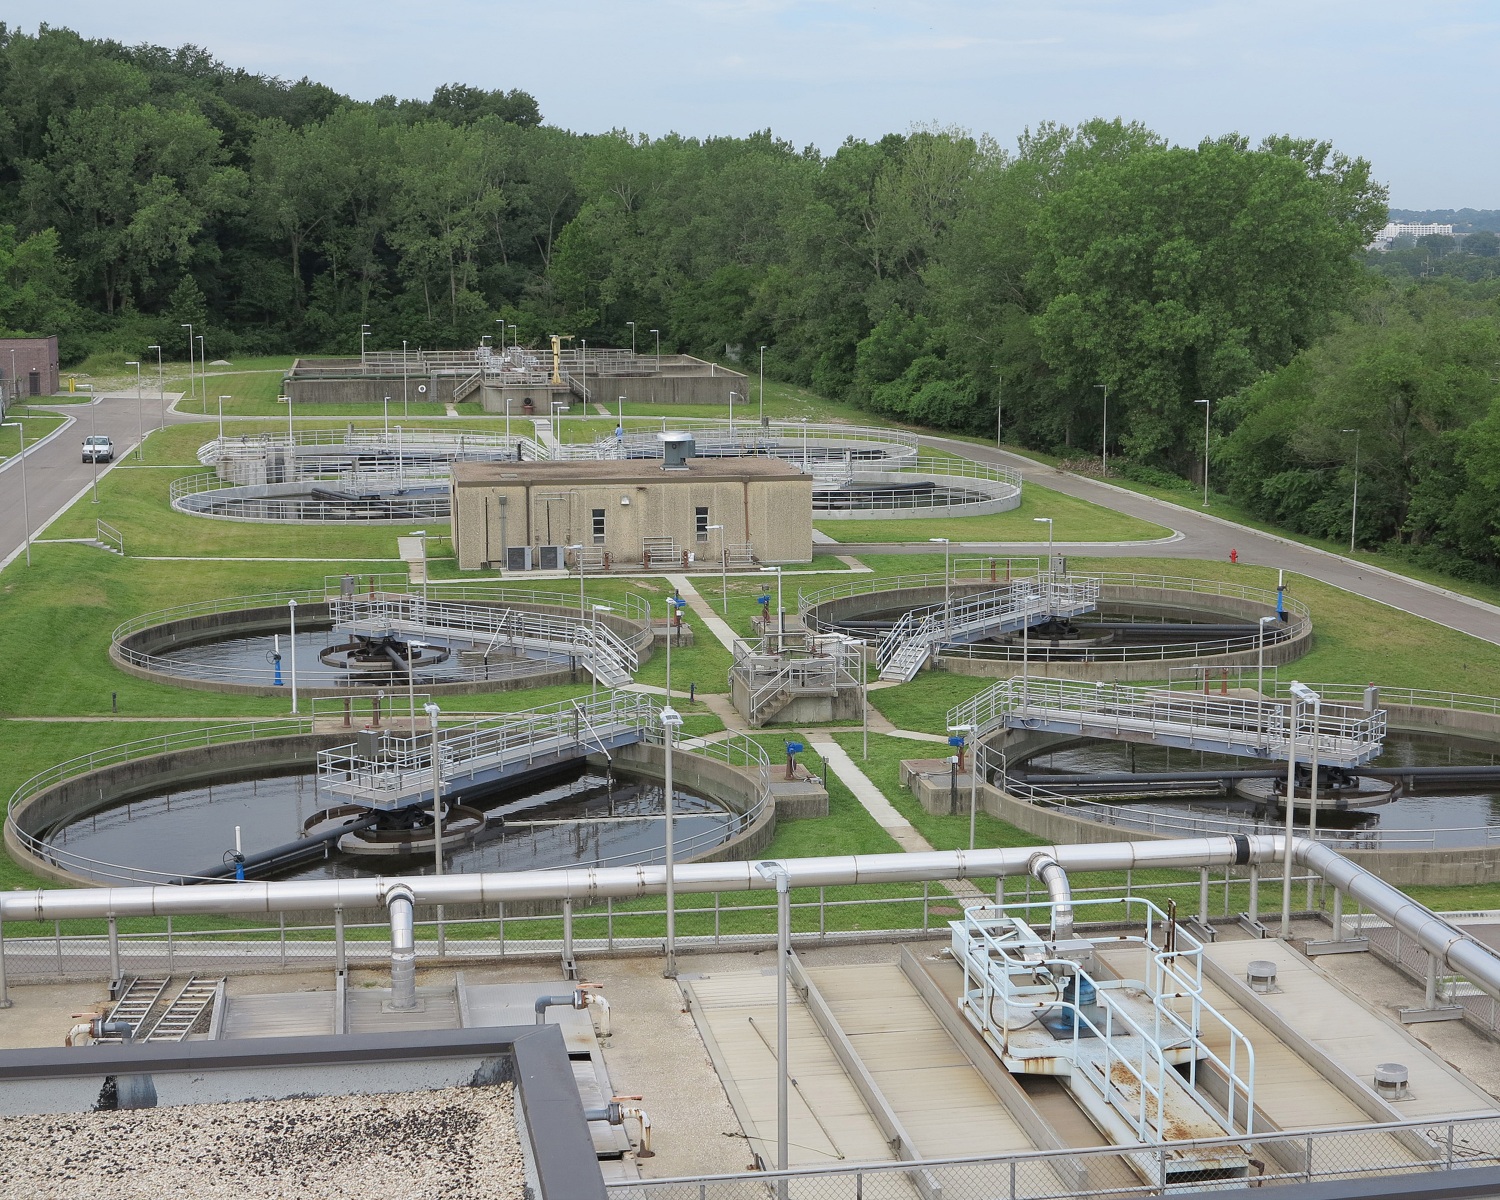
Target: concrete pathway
(871, 798)
(704, 611)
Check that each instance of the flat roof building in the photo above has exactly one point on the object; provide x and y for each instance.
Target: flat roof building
(524, 515)
(28, 367)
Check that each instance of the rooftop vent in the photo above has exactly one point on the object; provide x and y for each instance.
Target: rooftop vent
(1390, 1081)
(677, 448)
(1261, 975)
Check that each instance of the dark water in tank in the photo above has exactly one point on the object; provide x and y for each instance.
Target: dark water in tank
(1442, 816)
(602, 819)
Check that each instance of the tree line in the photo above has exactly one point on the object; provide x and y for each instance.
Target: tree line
(1089, 274)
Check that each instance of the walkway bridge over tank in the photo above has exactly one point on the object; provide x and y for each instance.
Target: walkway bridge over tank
(1344, 735)
(387, 771)
(974, 618)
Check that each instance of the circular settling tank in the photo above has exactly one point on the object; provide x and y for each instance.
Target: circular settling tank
(577, 816)
(1383, 809)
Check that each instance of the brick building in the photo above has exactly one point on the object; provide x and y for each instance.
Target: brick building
(28, 367)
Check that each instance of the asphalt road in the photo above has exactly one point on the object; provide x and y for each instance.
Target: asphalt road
(55, 476)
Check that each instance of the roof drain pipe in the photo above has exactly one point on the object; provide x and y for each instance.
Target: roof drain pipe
(399, 901)
(615, 1113)
(577, 998)
(1044, 867)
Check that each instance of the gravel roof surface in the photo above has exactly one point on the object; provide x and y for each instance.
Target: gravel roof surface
(453, 1143)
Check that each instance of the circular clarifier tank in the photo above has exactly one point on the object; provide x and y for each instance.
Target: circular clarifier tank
(577, 816)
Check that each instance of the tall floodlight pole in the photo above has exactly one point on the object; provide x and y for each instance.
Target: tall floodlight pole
(161, 395)
(94, 429)
(292, 648)
(762, 413)
(1039, 520)
(732, 395)
(140, 421)
(25, 502)
(723, 571)
(1354, 512)
(632, 337)
(364, 332)
(202, 378)
(947, 589)
(780, 611)
(999, 409)
(1206, 407)
(657, 332)
(405, 410)
(777, 873)
(671, 721)
(189, 327)
(1260, 666)
(1104, 441)
(1301, 694)
(437, 788)
(221, 421)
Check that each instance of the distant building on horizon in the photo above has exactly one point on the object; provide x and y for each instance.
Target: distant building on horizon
(1395, 229)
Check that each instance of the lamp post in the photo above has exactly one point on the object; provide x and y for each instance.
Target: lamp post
(94, 429)
(202, 378)
(25, 502)
(500, 321)
(189, 327)
(292, 649)
(723, 571)
(1354, 513)
(947, 591)
(999, 408)
(1104, 441)
(386, 416)
(1206, 407)
(657, 332)
(762, 413)
(1301, 694)
(674, 606)
(413, 648)
(514, 333)
(732, 395)
(1039, 520)
(780, 611)
(632, 337)
(221, 420)
(777, 873)
(364, 332)
(964, 731)
(405, 410)
(140, 421)
(161, 395)
(437, 793)
(671, 720)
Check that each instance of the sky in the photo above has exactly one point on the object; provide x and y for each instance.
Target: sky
(1409, 87)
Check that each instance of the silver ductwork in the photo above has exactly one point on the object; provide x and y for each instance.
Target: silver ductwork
(1044, 867)
(401, 903)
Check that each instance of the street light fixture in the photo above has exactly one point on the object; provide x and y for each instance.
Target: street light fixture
(1039, 520)
(965, 730)
(732, 395)
(140, 421)
(1305, 695)
(776, 872)
(657, 332)
(292, 649)
(161, 395)
(762, 413)
(364, 332)
(1104, 441)
(202, 379)
(437, 795)
(999, 409)
(1206, 407)
(723, 571)
(1354, 513)
(671, 720)
(221, 421)
(632, 337)
(25, 502)
(189, 327)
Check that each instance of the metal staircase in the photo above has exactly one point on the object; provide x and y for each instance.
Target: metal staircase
(135, 1004)
(466, 386)
(197, 994)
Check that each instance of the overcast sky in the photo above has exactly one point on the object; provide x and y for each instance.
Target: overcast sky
(1411, 87)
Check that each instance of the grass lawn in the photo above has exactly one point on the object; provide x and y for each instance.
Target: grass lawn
(1073, 520)
(34, 423)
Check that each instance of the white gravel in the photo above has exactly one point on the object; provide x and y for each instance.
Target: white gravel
(454, 1143)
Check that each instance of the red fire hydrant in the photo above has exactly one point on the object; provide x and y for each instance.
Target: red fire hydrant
(1234, 556)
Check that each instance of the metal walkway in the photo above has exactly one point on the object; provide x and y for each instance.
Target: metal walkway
(385, 771)
(135, 1004)
(1021, 603)
(197, 994)
(598, 649)
(1345, 736)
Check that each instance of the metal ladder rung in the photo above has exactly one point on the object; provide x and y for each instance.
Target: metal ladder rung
(182, 1014)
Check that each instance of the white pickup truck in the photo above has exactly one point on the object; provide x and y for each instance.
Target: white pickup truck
(98, 449)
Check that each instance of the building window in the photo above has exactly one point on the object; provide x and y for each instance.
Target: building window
(598, 527)
(700, 523)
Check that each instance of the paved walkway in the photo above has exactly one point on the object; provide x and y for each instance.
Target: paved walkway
(703, 610)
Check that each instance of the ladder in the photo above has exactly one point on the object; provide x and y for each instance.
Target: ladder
(187, 1006)
(135, 1005)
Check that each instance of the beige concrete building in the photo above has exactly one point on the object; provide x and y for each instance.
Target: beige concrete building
(631, 511)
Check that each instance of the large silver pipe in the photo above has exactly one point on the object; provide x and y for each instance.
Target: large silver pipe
(403, 949)
(1045, 867)
(589, 885)
(1447, 943)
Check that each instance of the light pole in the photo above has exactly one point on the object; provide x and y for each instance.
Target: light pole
(386, 417)
(514, 333)
(25, 502)
(140, 421)
(732, 395)
(413, 648)
(947, 590)
(777, 873)
(289, 438)
(1206, 407)
(1354, 514)
(500, 321)
(1104, 441)
(999, 409)
(189, 327)
(671, 720)
(964, 731)
(632, 337)
(674, 606)
(1039, 520)
(405, 411)
(292, 649)
(1260, 655)
(780, 611)
(202, 378)
(364, 332)
(221, 421)
(762, 413)
(161, 395)
(658, 350)
(437, 793)
(94, 429)
(1304, 694)
(723, 571)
